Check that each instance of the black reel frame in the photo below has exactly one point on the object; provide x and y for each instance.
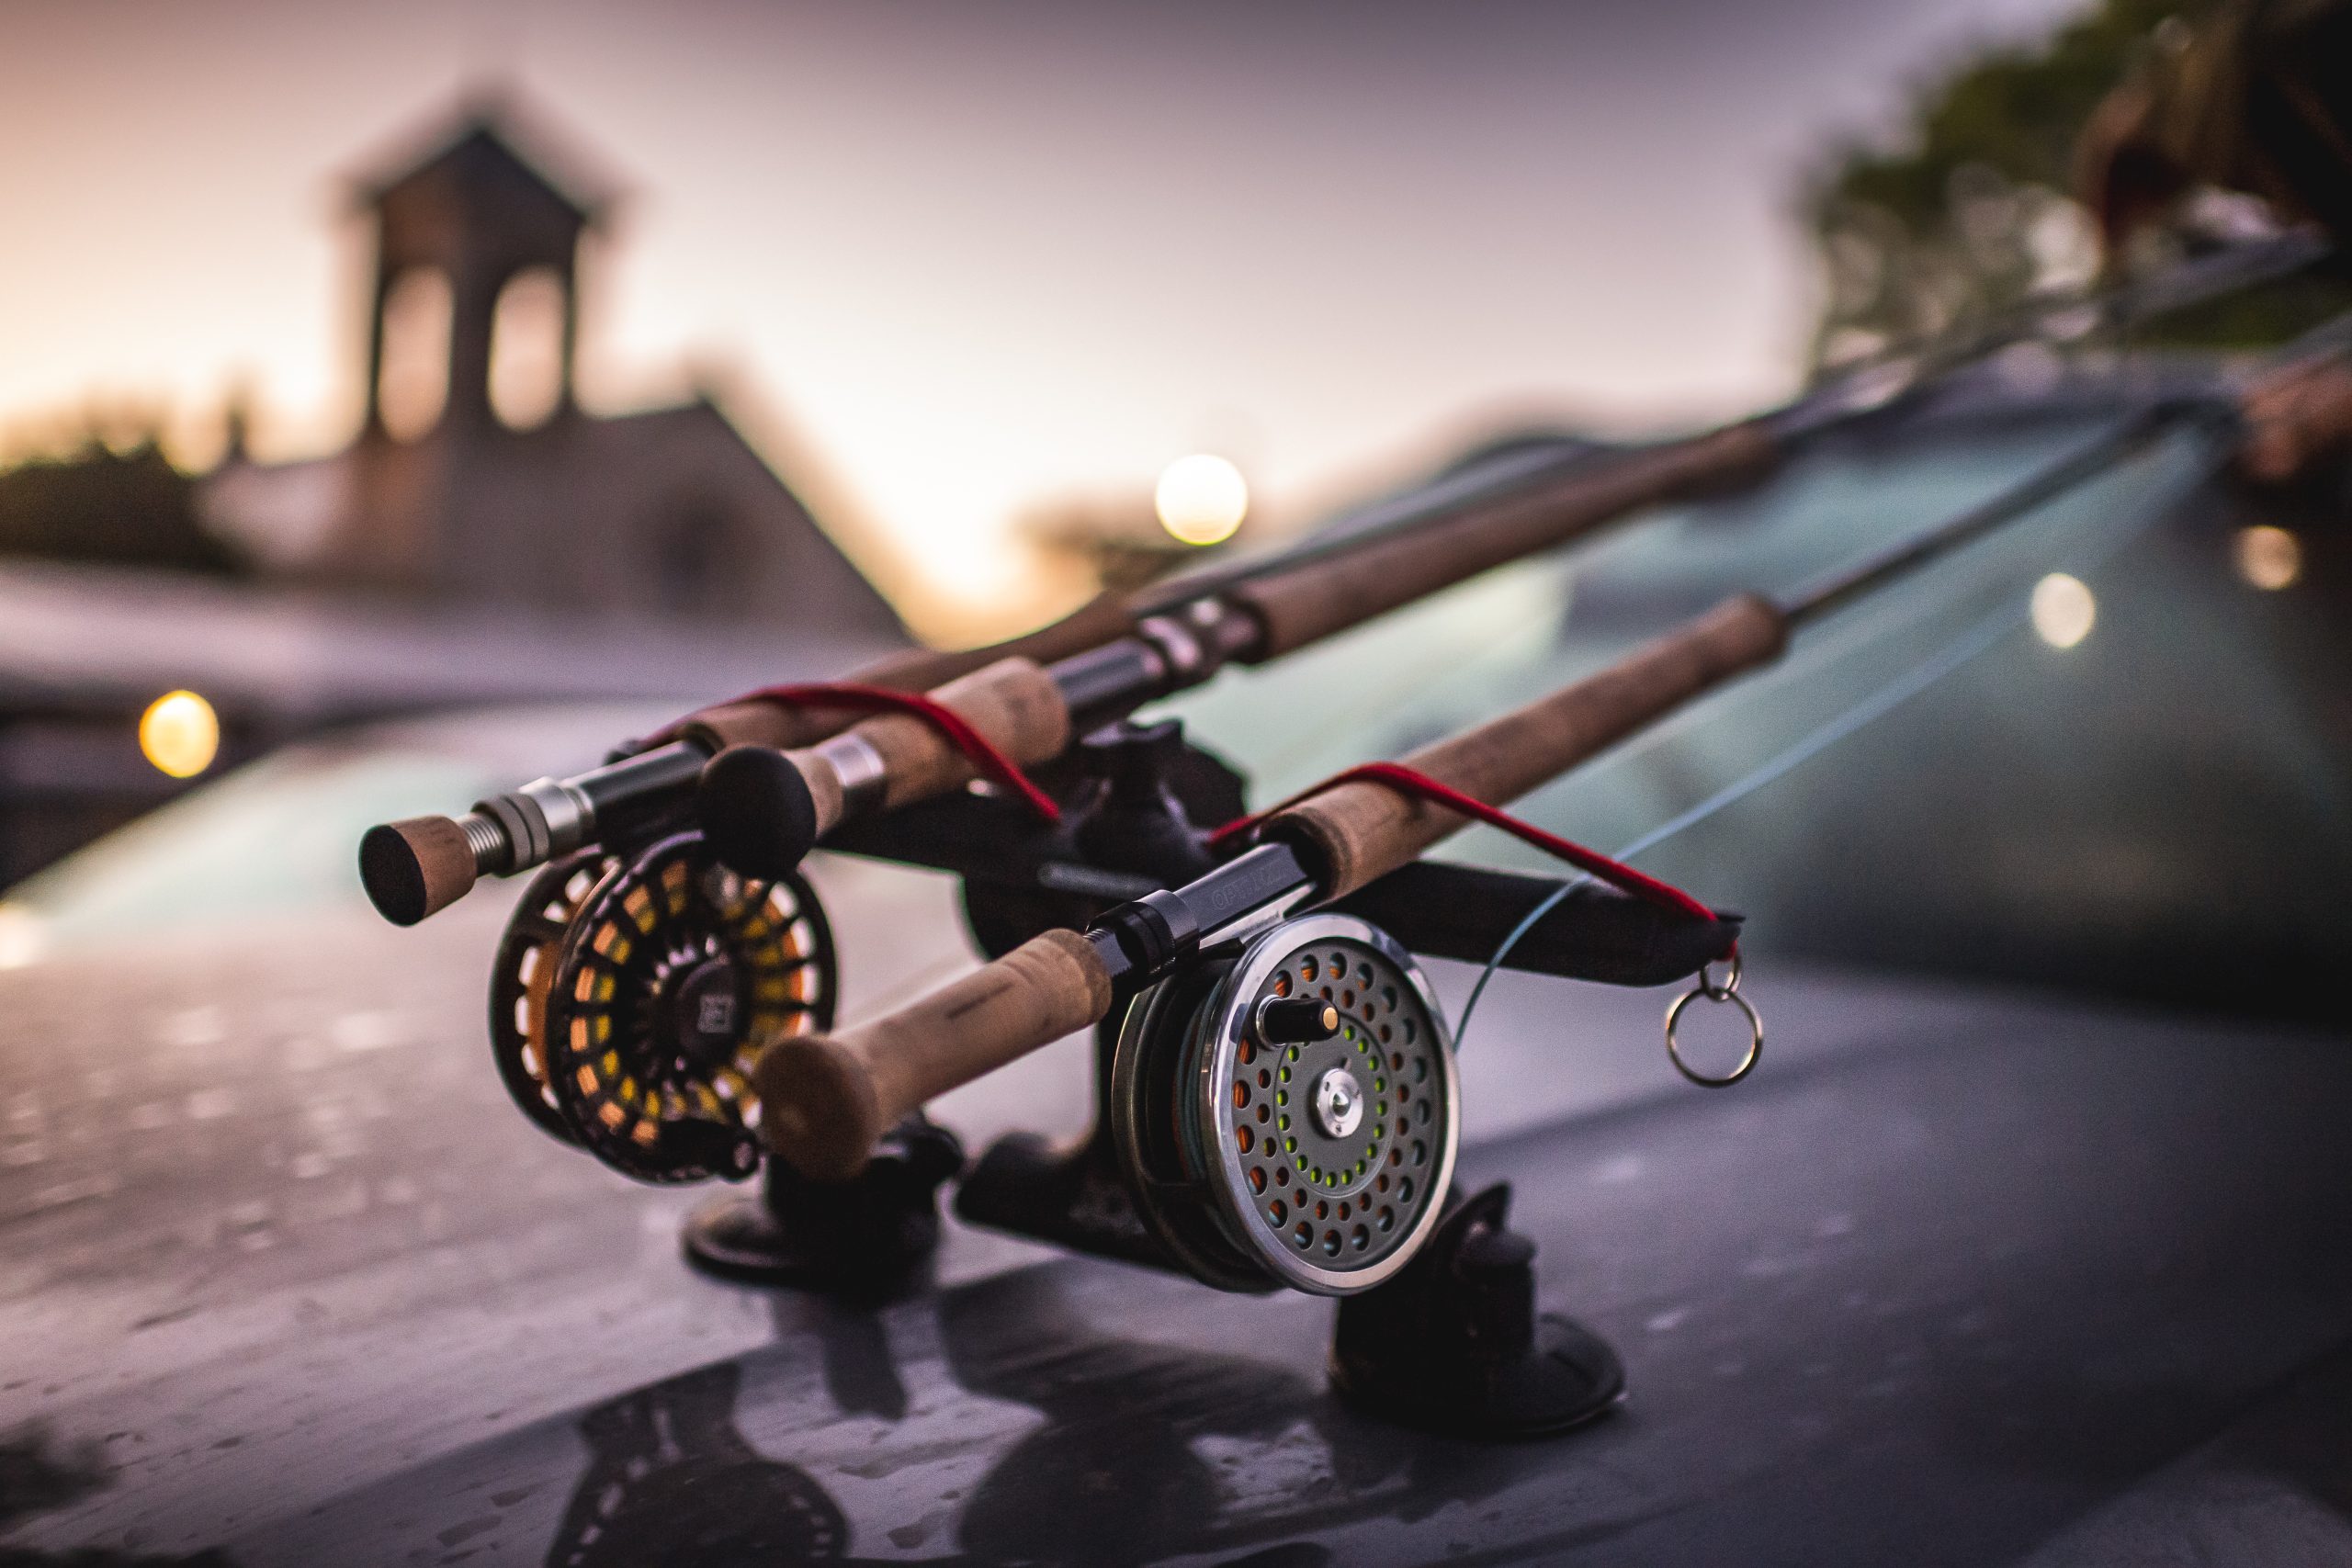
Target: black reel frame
(629, 992)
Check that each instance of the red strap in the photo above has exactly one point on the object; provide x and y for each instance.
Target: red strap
(978, 748)
(1408, 781)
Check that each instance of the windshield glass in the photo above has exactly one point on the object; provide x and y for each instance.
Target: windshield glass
(281, 834)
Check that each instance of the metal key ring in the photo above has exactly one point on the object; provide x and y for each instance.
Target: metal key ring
(1755, 1035)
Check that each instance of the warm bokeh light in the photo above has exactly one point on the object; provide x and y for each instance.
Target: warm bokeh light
(180, 734)
(1201, 499)
(24, 938)
(2267, 558)
(2063, 610)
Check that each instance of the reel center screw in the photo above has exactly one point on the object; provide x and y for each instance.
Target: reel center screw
(704, 1011)
(1339, 1103)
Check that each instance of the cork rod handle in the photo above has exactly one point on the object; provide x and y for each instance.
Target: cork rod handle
(825, 1098)
(1099, 620)
(1012, 703)
(1362, 831)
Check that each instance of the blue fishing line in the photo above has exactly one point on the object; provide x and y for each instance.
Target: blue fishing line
(1893, 695)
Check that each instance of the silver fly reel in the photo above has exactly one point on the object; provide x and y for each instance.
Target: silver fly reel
(1288, 1116)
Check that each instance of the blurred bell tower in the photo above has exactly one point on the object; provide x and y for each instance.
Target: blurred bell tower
(454, 235)
(477, 477)
(473, 327)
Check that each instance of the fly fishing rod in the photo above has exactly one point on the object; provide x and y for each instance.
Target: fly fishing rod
(764, 808)
(657, 971)
(810, 762)
(1357, 568)
(632, 997)
(825, 1098)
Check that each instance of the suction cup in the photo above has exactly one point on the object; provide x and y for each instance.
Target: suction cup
(1454, 1344)
(865, 1234)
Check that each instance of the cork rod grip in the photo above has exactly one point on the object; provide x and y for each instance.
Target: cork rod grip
(1320, 598)
(1012, 703)
(1362, 831)
(1096, 622)
(825, 1098)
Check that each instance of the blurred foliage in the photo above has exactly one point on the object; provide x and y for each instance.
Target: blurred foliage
(1972, 209)
(115, 504)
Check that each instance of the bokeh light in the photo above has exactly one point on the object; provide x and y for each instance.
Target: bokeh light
(180, 734)
(24, 937)
(1201, 499)
(2063, 610)
(2267, 558)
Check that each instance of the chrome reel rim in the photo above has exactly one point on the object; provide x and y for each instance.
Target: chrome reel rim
(1242, 1106)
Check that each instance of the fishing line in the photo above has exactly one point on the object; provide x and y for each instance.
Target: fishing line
(1893, 695)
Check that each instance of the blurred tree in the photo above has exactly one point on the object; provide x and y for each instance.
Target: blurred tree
(116, 503)
(1974, 207)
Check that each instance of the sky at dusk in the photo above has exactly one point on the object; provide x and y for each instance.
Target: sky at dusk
(953, 259)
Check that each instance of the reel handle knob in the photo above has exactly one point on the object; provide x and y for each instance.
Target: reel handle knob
(824, 1100)
(757, 811)
(763, 809)
(1296, 1020)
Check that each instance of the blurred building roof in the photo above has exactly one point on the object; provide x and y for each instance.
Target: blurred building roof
(490, 145)
(90, 637)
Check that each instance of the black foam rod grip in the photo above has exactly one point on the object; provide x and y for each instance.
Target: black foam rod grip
(1447, 911)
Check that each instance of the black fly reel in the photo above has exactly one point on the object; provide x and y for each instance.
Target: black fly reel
(632, 995)
(521, 975)
(1288, 1116)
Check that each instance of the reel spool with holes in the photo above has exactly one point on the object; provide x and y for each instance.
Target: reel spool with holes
(1261, 1158)
(520, 977)
(676, 973)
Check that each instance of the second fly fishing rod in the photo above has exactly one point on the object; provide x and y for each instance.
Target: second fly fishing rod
(1356, 568)
(764, 808)
(824, 1099)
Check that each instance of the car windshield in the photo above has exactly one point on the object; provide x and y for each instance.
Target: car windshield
(280, 834)
(1460, 657)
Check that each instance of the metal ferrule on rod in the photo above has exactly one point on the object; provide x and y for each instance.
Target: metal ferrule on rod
(543, 819)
